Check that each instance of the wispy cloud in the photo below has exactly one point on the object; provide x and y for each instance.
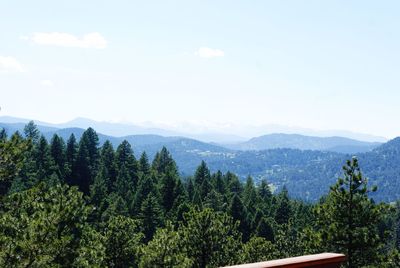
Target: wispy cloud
(206, 52)
(10, 65)
(47, 83)
(90, 40)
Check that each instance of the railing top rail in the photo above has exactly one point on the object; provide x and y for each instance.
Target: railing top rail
(330, 260)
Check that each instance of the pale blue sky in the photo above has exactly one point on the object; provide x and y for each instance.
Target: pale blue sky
(314, 64)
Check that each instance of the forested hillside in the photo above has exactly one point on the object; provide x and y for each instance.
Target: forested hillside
(301, 142)
(75, 203)
(304, 172)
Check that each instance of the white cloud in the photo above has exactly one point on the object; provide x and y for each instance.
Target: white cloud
(10, 65)
(47, 83)
(90, 40)
(206, 52)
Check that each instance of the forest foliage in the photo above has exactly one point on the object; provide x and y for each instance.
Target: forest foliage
(75, 204)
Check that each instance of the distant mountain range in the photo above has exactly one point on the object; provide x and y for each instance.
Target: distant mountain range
(296, 141)
(225, 133)
(144, 141)
(306, 165)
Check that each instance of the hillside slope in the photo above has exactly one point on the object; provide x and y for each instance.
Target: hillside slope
(296, 141)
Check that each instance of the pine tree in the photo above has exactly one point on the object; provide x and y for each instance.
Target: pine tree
(250, 198)
(122, 239)
(348, 218)
(202, 174)
(239, 213)
(124, 185)
(265, 194)
(41, 227)
(71, 157)
(145, 187)
(163, 162)
(99, 193)
(218, 182)
(257, 249)
(150, 216)
(190, 189)
(265, 229)
(167, 189)
(13, 153)
(125, 157)
(233, 184)
(57, 152)
(210, 239)
(144, 166)
(283, 211)
(107, 164)
(165, 250)
(87, 160)
(45, 165)
(32, 132)
(3, 134)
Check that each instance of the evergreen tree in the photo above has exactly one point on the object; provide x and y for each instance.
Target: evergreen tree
(218, 182)
(122, 239)
(233, 184)
(348, 218)
(210, 239)
(144, 166)
(257, 249)
(150, 216)
(99, 193)
(265, 229)
(202, 174)
(238, 212)
(71, 157)
(190, 189)
(165, 250)
(41, 227)
(91, 251)
(115, 206)
(3, 134)
(58, 153)
(87, 160)
(107, 163)
(145, 187)
(250, 198)
(163, 162)
(124, 185)
(45, 166)
(32, 132)
(167, 189)
(283, 210)
(125, 158)
(13, 155)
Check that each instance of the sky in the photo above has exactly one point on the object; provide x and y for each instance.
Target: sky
(312, 64)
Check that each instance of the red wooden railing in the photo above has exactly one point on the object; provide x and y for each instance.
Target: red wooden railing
(323, 260)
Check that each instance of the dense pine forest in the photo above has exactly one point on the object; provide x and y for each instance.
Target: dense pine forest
(75, 204)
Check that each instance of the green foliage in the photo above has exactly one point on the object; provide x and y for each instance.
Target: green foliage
(32, 132)
(42, 227)
(91, 251)
(128, 213)
(87, 160)
(165, 250)
(257, 249)
(283, 211)
(122, 242)
(150, 215)
(211, 239)
(348, 218)
(58, 153)
(12, 154)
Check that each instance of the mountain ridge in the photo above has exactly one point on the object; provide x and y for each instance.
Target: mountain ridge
(230, 134)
